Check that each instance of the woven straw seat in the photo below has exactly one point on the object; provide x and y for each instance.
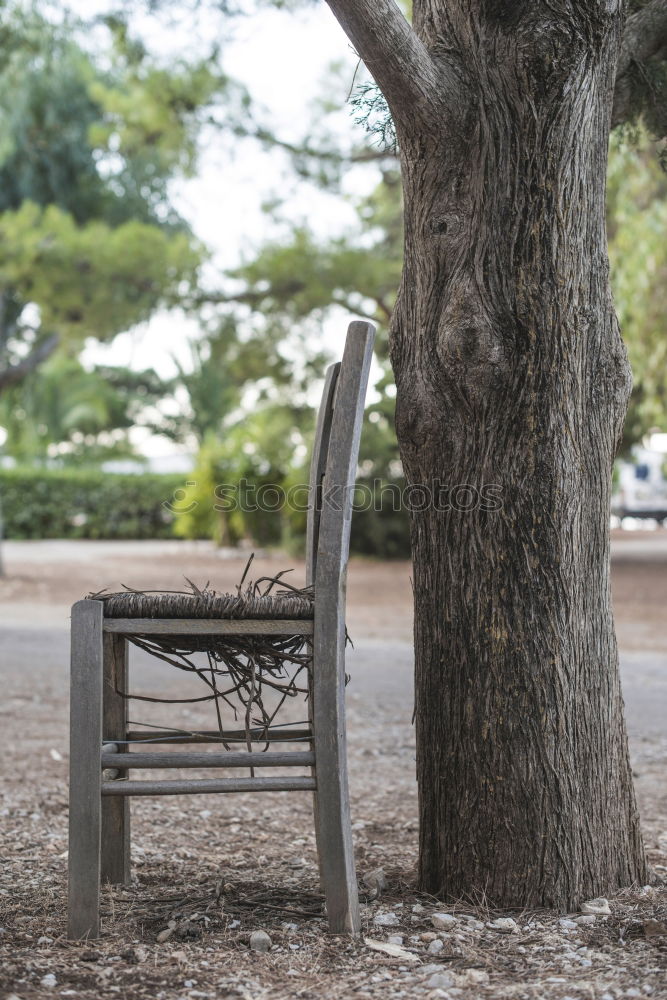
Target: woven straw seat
(207, 604)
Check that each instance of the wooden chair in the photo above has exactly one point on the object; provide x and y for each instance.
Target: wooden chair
(99, 820)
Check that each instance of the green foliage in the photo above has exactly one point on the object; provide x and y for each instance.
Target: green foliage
(81, 416)
(637, 227)
(68, 503)
(223, 363)
(298, 281)
(91, 244)
(246, 470)
(91, 279)
(373, 114)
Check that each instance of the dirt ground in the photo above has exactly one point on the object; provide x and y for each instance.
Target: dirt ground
(209, 871)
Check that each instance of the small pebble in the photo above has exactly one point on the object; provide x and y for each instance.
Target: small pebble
(435, 947)
(472, 977)
(443, 921)
(441, 980)
(587, 918)
(600, 905)
(568, 924)
(395, 939)
(48, 981)
(386, 920)
(505, 925)
(260, 941)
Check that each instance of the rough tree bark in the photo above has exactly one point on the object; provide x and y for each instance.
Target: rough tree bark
(510, 370)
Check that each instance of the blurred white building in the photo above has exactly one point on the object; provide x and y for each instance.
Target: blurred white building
(641, 492)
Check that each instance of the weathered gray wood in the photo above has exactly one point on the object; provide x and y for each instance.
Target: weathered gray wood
(204, 786)
(214, 736)
(332, 812)
(85, 774)
(115, 813)
(318, 464)
(208, 626)
(178, 760)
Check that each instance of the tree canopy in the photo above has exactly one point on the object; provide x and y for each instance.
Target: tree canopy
(90, 243)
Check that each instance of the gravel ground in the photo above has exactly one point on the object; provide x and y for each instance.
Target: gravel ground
(210, 871)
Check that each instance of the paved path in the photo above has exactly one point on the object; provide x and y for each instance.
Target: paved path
(381, 675)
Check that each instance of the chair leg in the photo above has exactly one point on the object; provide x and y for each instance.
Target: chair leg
(85, 771)
(115, 808)
(332, 806)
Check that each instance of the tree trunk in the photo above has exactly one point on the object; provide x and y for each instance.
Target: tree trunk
(511, 373)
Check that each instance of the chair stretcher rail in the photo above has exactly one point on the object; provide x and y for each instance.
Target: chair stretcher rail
(123, 761)
(204, 786)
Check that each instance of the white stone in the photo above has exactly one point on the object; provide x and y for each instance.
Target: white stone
(505, 925)
(600, 905)
(587, 918)
(443, 921)
(473, 925)
(418, 908)
(48, 981)
(435, 947)
(395, 939)
(260, 941)
(441, 981)
(567, 924)
(386, 920)
(472, 977)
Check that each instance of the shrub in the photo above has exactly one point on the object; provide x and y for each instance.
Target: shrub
(86, 503)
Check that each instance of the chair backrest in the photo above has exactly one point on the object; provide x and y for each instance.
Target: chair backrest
(335, 451)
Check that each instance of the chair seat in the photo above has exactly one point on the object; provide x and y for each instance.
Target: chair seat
(207, 604)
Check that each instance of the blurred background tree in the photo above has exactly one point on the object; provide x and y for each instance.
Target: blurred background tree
(94, 131)
(90, 244)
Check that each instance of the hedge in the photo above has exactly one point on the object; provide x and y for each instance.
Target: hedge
(85, 503)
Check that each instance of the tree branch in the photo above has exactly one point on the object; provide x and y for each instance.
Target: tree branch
(399, 62)
(16, 373)
(645, 37)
